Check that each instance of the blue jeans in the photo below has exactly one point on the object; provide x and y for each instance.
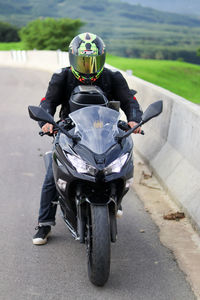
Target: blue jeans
(49, 195)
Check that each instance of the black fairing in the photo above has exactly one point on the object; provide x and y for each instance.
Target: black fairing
(100, 187)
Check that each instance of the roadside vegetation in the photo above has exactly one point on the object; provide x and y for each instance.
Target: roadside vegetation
(53, 33)
(40, 34)
(128, 30)
(8, 32)
(175, 75)
(12, 46)
(178, 77)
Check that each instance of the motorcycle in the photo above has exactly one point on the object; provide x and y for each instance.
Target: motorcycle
(93, 169)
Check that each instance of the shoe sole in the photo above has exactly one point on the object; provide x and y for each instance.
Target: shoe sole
(39, 241)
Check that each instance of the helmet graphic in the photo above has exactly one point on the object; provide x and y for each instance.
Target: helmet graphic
(87, 57)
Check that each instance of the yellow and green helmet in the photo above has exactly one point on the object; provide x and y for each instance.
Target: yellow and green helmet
(87, 56)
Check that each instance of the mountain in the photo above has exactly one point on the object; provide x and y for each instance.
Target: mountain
(21, 11)
(187, 7)
(128, 30)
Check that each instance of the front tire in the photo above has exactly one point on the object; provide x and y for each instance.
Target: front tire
(99, 245)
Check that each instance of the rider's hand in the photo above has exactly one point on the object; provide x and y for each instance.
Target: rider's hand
(132, 124)
(47, 128)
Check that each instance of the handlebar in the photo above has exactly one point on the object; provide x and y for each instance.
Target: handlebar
(121, 124)
(41, 133)
(124, 126)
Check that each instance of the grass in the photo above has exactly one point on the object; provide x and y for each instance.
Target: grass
(178, 77)
(11, 46)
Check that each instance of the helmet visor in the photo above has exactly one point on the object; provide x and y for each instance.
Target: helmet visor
(87, 64)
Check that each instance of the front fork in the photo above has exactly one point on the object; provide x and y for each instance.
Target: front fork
(81, 215)
(113, 214)
(83, 212)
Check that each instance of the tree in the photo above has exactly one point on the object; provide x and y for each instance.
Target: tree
(8, 33)
(49, 33)
(198, 52)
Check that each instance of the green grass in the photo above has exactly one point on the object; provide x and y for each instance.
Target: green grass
(178, 77)
(11, 46)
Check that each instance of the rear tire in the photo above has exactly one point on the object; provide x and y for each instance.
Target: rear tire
(99, 245)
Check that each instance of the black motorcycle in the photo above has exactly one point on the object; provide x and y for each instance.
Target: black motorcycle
(93, 169)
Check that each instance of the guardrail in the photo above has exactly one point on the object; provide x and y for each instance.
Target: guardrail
(171, 143)
(45, 60)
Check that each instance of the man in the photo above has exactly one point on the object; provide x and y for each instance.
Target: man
(87, 55)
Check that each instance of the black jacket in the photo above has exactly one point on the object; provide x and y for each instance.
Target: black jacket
(112, 84)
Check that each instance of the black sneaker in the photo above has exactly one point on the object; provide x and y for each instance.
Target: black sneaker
(40, 238)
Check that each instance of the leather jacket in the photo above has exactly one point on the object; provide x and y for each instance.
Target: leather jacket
(111, 83)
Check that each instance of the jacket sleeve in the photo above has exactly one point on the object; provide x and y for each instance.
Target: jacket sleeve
(54, 95)
(128, 101)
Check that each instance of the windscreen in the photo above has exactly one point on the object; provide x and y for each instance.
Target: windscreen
(97, 127)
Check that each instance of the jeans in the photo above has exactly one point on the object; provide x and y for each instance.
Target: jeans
(49, 195)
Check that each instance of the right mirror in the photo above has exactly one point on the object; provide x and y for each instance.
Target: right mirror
(153, 110)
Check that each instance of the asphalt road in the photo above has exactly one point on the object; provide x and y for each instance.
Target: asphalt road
(141, 268)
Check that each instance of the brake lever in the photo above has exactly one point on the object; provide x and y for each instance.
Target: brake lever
(41, 133)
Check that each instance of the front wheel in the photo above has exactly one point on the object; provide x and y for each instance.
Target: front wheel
(98, 241)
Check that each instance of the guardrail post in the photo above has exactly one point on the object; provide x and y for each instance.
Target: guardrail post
(62, 58)
(129, 72)
(19, 56)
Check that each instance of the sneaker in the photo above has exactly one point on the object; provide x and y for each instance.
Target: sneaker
(119, 212)
(40, 238)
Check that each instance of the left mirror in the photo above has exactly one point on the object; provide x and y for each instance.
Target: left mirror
(39, 114)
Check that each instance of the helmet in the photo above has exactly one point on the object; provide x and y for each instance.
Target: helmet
(87, 57)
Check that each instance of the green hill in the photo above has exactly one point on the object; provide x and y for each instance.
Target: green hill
(178, 77)
(128, 30)
(22, 11)
(177, 6)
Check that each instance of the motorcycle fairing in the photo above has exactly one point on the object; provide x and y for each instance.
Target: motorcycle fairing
(97, 127)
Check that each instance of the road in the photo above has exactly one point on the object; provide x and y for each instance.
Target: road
(141, 267)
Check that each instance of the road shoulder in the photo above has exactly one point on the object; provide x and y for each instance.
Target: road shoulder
(178, 236)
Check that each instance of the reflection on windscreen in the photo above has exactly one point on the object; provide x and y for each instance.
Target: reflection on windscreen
(97, 127)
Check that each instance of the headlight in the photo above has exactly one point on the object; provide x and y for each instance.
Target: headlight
(80, 165)
(116, 165)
